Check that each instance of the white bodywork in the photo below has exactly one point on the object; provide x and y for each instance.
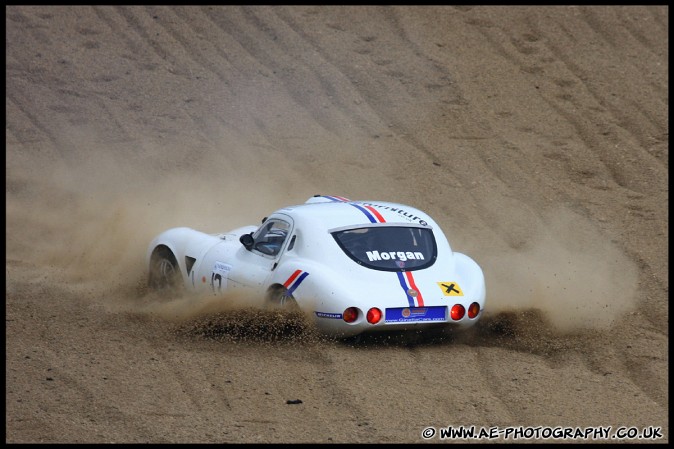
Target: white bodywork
(323, 279)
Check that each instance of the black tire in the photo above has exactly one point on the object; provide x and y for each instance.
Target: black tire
(279, 298)
(164, 273)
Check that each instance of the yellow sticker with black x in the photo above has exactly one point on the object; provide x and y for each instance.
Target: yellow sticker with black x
(450, 289)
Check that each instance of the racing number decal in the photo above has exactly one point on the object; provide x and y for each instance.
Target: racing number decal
(450, 289)
(216, 278)
(219, 276)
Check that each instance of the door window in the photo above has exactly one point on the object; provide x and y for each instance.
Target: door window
(270, 237)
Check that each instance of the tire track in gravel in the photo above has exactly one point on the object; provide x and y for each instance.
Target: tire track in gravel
(272, 56)
(191, 44)
(378, 109)
(520, 58)
(593, 141)
(387, 30)
(577, 370)
(78, 377)
(164, 23)
(621, 173)
(27, 136)
(359, 113)
(310, 375)
(626, 122)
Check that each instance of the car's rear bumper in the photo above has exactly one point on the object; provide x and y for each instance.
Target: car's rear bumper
(335, 326)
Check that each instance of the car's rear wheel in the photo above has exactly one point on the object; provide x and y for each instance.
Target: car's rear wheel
(164, 275)
(278, 297)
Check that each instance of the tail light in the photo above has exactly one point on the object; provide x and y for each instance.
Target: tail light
(457, 312)
(373, 315)
(350, 315)
(473, 310)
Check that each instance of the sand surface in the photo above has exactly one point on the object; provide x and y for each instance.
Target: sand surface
(537, 137)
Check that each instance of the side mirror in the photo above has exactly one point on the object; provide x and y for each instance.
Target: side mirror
(247, 241)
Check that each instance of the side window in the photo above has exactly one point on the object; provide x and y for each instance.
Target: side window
(291, 245)
(270, 237)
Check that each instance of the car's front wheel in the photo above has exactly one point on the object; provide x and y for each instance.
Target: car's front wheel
(278, 297)
(164, 275)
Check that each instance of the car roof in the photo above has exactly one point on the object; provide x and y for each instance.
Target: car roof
(328, 212)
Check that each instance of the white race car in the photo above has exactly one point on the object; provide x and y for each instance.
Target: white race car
(353, 266)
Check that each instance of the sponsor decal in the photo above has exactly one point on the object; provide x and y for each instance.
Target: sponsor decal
(332, 316)
(450, 289)
(408, 215)
(295, 280)
(394, 255)
(419, 311)
(416, 314)
(408, 285)
(222, 268)
(371, 212)
(219, 276)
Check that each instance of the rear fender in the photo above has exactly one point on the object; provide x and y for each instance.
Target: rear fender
(472, 278)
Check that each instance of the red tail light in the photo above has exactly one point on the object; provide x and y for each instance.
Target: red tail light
(473, 310)
(373, 315)
(350, 315)
(457, 312)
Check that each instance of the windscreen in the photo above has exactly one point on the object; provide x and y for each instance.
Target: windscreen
(389, 248)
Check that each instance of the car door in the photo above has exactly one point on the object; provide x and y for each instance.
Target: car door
(254, 266)
(248, 270)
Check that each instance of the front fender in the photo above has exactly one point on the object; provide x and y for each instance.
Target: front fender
(175, 239)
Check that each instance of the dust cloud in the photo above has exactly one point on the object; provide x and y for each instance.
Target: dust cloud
(94, 224)
(95, 214)
(569, 271)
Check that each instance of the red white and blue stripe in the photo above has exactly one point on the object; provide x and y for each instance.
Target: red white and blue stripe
(339, 199)
(295, 280)
(370, 212)
(406, 280)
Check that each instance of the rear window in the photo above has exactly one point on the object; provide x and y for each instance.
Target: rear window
(389, 248)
